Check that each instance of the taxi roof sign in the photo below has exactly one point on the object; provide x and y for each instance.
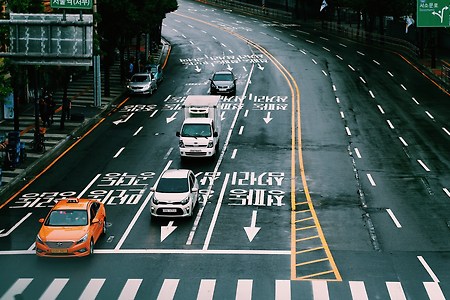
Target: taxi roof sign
(75, 4)
(433, 13)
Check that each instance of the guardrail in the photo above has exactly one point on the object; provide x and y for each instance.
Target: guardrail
(252, 9)
(445, 75)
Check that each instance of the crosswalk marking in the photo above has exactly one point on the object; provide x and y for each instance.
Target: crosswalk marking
(168, 289)
(434, 291)
(358, 290)
(92, 289)
(206, 290)
(17, 288)
(244, 289)
(282, 289)
(395, 291)
(130, 289)
(54, 289)
(320, 290)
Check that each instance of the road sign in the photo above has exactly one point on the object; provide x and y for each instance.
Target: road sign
(433, 13)
(75, 4)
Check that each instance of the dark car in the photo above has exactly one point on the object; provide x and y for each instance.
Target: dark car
(223, 83)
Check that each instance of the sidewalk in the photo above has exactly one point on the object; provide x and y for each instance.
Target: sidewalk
(81, 93)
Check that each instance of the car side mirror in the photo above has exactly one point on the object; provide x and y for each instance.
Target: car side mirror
(215, 134)
(41, 220)
(152, 189)
(177, 133)
(95, 220)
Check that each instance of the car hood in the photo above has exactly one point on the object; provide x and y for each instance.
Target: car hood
(218, 82)
(170, 197)
(139, 84)
(62, 233)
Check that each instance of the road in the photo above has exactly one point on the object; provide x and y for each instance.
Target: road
(332, 182)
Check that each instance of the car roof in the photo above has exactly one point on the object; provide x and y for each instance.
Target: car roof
(176, 173)
(223, 72)
(72, 203)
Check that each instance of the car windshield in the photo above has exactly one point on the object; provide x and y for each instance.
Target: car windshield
(173, 185)
(67, 217)
(139, 78)
(196, 130)
(223, 77)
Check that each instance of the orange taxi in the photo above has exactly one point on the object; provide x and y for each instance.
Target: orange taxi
(71, 228)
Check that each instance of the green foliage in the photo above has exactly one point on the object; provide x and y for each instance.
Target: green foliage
(25, 6)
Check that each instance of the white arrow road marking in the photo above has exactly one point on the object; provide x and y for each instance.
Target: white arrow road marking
(252, 230)
(197, 68)
(167, 230)
(15, 226)
(222, 116)
(229, 68)
(260, 67)
(268, 118)
(123, 120)
(172, 118)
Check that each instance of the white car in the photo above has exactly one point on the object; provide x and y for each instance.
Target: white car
(175, 194)
(142, 83)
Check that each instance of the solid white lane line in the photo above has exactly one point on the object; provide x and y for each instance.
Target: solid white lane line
(372, 182)
(403, 141)
(446, 191)
(282, 289)
(137, 131)
(315, 62)
(216, 212)
(434, 291)
(371, 94)
(376, 62)
(342, 115)
(391, 214)
(351, 68)
(403, 87)
(390, 74)
(80, 195)
(233, 155)
(380, 109)
(168, 153)
(168, 289)
(360, 53)
(390, 124)
(358, 290)
(428, 269)
(429, 115)
(92, 289)
(153, 113)
(137, 215)
(326, 49)
(54, 289)
(339, 57)
(324, 73)
(446, 130)
(362, 79)
(337, 100)
(244, 289)
(118, 152)
(334, 88)
(17, 288)
(246, 114)
(395, 290)
(241, 129)
(357, 153)
(206, 290)
(320, 290)
(414, 99)
(423, 165)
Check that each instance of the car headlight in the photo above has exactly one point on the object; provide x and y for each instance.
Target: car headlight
(83, 239)
(213, 85)
(210, 144)
(181, 144)
(185, 201)
(155, 201)
(39, 240)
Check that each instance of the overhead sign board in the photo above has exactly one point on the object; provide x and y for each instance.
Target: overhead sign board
(75, 4)
(50, 39)
(433, 13)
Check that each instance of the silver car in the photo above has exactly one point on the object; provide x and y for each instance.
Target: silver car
(142, 83)
(223, 83)
(175, 194)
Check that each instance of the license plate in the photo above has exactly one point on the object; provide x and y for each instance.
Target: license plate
(169, 210)
(58, 251)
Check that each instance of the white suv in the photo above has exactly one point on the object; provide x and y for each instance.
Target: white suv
(175, 194)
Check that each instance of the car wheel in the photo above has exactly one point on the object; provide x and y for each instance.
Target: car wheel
(91, 247)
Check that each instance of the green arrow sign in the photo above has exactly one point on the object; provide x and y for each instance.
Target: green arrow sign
(76, 4)
(433, 13)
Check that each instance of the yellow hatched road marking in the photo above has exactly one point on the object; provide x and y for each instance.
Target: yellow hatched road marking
(310, 262)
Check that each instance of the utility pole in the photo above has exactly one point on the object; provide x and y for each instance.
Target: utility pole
(96, 64)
